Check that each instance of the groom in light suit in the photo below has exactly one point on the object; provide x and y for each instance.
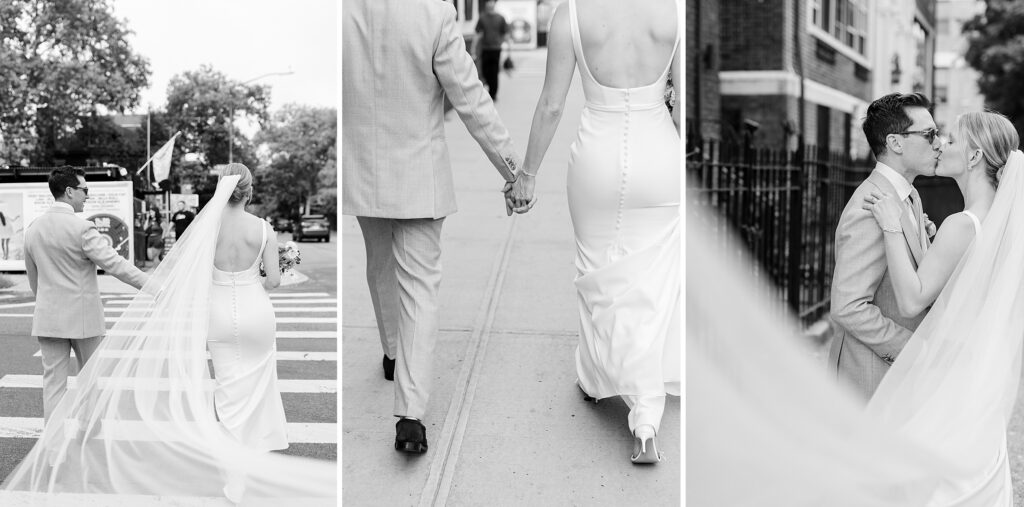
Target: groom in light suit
(62, 252)
(400, 59)
(869, 330)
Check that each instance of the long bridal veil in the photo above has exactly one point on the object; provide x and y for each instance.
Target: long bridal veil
(141, 421)
(767, 427)
(954, 385)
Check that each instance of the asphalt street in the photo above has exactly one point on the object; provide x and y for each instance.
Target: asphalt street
(307, 357)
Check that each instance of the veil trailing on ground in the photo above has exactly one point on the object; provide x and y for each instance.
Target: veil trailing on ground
(141, 420)
(954, 385)
(765, 425)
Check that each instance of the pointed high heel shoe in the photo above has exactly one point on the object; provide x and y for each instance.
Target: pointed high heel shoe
(645, 447)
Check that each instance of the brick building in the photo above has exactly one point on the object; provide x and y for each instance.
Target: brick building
(703, 103)
(847, 51)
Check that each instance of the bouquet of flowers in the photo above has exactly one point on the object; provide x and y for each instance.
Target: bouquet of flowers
(288, 255)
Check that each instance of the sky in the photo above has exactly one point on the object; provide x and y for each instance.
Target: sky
(243, 39)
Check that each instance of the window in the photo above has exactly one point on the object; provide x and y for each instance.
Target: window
(844, 20)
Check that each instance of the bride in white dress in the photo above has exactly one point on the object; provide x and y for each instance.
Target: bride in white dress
(766, 428)
(624, 193)
(146, 422)
(242, 324)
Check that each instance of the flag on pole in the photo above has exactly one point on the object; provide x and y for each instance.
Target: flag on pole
(162, 161)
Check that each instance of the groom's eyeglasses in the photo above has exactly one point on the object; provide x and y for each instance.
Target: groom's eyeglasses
(928, 134)
(84, 190)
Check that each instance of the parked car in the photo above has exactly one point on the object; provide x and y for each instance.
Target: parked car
(283, 224)
(312, 226)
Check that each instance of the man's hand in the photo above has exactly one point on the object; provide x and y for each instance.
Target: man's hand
(521, 196)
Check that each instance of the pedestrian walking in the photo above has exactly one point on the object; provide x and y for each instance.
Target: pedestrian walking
(492, 32)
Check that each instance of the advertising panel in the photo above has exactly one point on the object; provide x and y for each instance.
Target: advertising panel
(109, 207)
(521, 16)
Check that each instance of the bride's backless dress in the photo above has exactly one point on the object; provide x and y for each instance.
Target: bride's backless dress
(624, 194)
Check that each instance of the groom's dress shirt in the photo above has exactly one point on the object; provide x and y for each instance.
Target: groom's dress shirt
(903, 188)
(62, 252)
(402, 59)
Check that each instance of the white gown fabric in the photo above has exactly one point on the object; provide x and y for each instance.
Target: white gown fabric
(954, 385)
(141, 422)
(767, 427)
(623, 191)
(242, 344)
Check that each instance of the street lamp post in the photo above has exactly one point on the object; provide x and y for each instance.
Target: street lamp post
(231, 121)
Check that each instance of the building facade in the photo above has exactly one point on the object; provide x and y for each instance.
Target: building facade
(703, 60)
(956, 83)
(828, 58)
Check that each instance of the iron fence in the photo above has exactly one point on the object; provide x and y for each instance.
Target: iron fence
(784, 206)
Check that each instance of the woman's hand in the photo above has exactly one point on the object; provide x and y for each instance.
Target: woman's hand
(886, 209)
(520, 197)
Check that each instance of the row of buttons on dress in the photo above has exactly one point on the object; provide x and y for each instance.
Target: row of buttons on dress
(625, 160)
(617, 251)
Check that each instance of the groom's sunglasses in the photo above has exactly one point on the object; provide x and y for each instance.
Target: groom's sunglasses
(84, 190)
(928, 134)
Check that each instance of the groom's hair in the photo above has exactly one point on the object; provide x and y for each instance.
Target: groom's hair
(63, 177)
(888, 115)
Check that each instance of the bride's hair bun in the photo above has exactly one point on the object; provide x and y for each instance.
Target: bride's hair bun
(994, 134)
(243, 190)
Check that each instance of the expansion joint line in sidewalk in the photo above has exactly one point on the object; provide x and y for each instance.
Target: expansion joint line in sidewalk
(449, 445)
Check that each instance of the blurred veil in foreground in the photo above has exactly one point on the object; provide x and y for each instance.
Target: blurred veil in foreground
(140, 421)
(765, 425)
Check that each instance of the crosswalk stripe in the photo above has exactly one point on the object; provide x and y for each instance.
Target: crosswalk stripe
(32, 427)
(281, 334)
(287, 309)
(306, 334)
(27, 499)
(294, 386)
(273, 295)
(334, 301)
(282, 355)
(17, 305)
(280, 320)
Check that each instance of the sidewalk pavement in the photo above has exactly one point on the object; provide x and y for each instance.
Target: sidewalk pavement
(506, 423)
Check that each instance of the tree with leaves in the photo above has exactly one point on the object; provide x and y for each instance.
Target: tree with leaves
(60, 61)
(996, 50)
(205, 106)
(300, 160)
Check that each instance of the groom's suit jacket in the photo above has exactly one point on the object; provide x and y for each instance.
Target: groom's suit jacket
(62, 251)
(869, 332)
(400, 58)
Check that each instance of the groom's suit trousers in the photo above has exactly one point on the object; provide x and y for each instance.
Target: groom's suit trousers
(403, 271)
(55, 354)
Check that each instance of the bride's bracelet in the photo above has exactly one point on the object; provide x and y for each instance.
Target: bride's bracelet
(532, 175)
(896, 230)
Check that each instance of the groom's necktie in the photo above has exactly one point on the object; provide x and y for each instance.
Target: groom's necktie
(915, 205)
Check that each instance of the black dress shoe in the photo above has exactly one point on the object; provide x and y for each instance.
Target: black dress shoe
(389, 368)
(410, 436)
